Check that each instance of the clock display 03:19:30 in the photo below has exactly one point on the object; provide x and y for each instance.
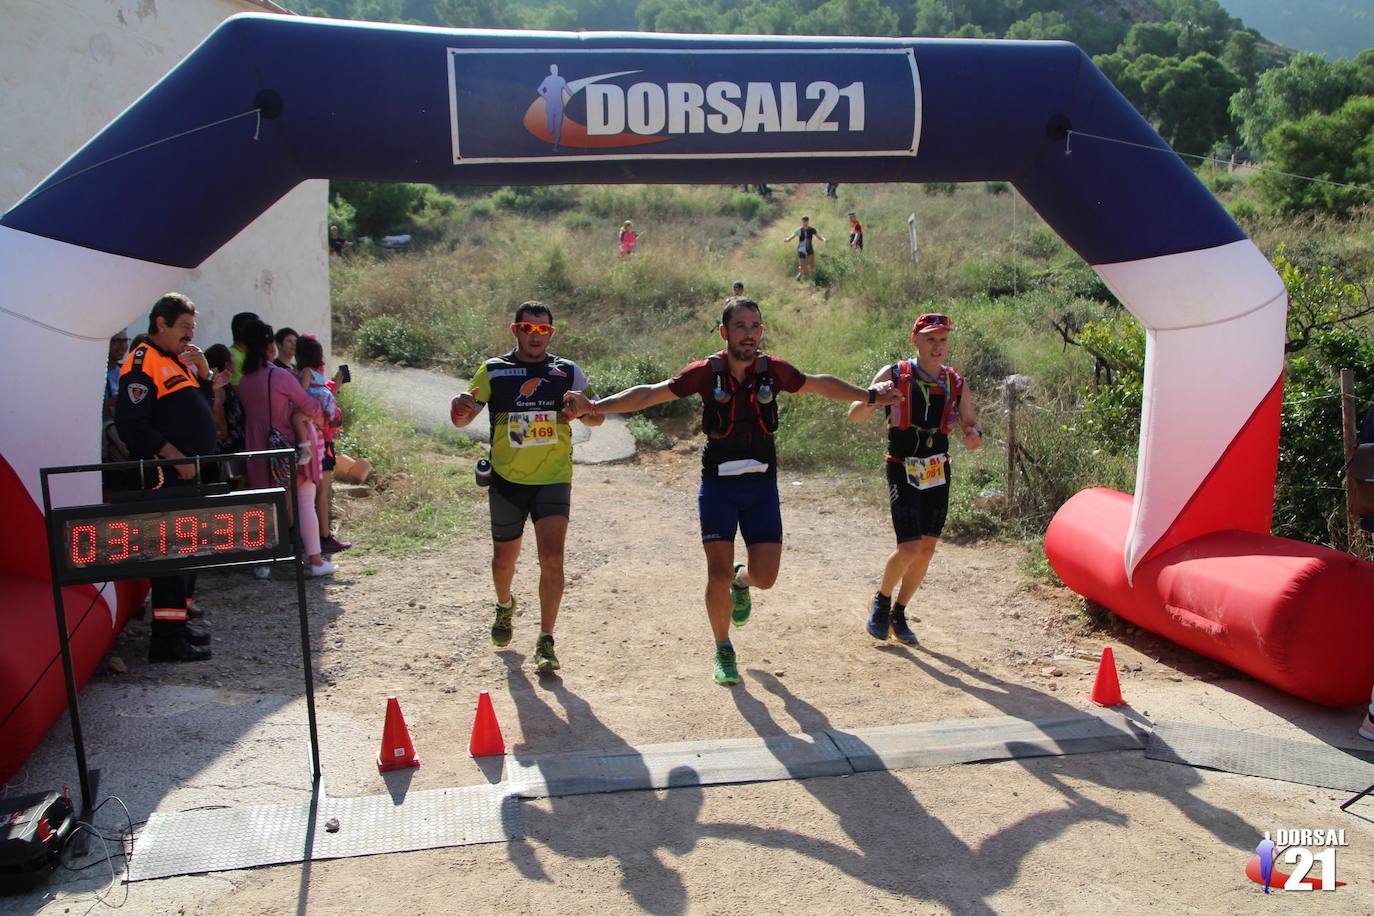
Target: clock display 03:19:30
(159, 536)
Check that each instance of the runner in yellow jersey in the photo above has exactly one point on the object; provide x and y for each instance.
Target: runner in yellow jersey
(531, 458)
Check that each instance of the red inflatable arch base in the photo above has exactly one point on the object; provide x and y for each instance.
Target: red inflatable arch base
(1294, 615)
(30, 668)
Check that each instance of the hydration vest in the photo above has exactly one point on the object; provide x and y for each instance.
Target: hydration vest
(719, 409)
(950, 381)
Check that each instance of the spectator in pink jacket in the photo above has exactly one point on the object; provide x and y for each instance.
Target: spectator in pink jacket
(270, 396)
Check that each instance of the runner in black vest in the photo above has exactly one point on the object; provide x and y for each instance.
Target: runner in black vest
(806, 249)
(917, 465)
(739, 387)
(531, 458)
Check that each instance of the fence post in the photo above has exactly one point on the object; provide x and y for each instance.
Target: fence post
(1012, 389)
(1352, 521)
(911, 225)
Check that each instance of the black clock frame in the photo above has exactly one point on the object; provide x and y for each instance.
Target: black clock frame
(169, 505)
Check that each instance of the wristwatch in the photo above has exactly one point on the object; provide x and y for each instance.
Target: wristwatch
(873, 395)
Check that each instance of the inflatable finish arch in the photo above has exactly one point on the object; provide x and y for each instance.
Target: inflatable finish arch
(266, 102)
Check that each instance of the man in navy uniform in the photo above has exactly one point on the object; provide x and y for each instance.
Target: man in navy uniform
(163, 410)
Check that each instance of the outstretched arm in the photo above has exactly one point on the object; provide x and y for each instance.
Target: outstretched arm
(791, 237)
(837, 389)
(861, 410)
(628, 401)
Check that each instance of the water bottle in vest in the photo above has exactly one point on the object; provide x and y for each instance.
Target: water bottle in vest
(483, 472)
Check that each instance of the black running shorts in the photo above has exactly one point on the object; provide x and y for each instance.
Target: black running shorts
(915, 513)
(512, 503)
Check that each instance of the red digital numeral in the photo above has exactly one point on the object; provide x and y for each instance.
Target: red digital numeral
(259, 518)
(227, 532)
(83, 544)
(119, 536)
(162, 538)
(187, 528)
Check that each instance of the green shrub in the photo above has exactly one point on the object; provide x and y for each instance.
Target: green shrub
(1079, 281)
(996, 187)
(982, 358)
(1002, 276)
(1220, 182)
(384, 207)
(939, 187)
(1111, 406)
(539, 201)
(1041, 242)
(746, 206)
(341, 213)
(1243, 211)
(1309, 495)
(645, 432)
(1056, 461)
(396, 341)
(611, 376)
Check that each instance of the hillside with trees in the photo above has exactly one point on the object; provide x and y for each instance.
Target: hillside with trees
(1335, 28)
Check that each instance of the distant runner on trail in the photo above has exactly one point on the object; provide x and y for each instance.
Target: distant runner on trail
(531, 462)
(918, 469)
(806, 249)
(739, 474)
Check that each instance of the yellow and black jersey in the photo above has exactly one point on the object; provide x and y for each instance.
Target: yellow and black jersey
(531, 442)
(160, 401)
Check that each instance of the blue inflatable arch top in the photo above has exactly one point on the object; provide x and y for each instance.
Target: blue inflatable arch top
(359, 101)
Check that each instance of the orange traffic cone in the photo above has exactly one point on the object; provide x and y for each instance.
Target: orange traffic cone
(397, 752)
(1107, 689)
(486, 734)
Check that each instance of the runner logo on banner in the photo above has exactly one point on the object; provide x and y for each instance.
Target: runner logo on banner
(561, 105)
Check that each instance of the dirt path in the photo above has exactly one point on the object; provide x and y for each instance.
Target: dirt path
(422, 397)
(1078, 834)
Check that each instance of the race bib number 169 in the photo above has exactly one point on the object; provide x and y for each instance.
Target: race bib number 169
(533, 427)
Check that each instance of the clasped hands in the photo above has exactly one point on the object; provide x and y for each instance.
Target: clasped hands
(577, 405)
(887, 395)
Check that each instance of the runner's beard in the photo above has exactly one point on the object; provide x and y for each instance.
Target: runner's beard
(741, 353)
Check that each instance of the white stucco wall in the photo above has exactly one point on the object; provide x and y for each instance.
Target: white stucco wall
(69, 67)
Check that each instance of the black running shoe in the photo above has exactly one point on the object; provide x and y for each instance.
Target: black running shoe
(900, 630)
(878, 616)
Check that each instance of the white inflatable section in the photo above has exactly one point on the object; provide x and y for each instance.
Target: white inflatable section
(1215, 327)
(58, 308)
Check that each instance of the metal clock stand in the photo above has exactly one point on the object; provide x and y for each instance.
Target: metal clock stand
(79, 556)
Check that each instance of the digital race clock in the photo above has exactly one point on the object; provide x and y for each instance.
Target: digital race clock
(156, 536)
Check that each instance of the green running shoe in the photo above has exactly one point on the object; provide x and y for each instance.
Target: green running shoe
(501, 628)
(743, 604)
(726, 672)
(544, 659)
